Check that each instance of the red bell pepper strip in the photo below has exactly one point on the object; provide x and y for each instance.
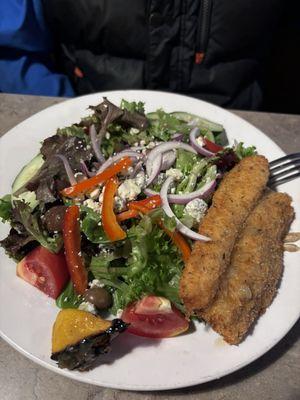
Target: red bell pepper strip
(127, 215)
(109, 220)
(87, 184)
(179, 241)
(72, 239)
(150, 202)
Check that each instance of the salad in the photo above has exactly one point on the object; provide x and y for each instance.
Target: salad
(104, 217)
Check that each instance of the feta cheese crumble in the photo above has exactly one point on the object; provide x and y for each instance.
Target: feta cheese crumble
(86, 306)
(96, 283)
(175, 173)
(131, 188)
(92, 204)
(196, 209)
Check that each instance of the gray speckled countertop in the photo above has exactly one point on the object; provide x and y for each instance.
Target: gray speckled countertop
(275, 376)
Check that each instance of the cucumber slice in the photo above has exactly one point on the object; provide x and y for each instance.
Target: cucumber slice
(27, 172)
(201, 122)
(152, 115)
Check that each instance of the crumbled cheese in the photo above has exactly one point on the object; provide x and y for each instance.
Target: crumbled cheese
(131, 188)
(160, 178)
(175, 173)
(92, 204)
(173, 190)
(133, 131)
(142, 143)
(107, 135)
(119, 313)
(95, 194)
(96, 283)
(151, 145)
(119, 204)
(140, 179)
(200, 140)
(86, 306)
(196, 208)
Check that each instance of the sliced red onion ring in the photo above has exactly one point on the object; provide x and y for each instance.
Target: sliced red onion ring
(162, 148)
(85, 169)
(68, 169)
(168, 160)
(167, 209)
(155, 169)
(136, 169)
(96, 143)
(178, 137)
(195, 132)
(113, 159)
(185, 198)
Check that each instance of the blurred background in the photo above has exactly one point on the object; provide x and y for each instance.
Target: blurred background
(237, 54)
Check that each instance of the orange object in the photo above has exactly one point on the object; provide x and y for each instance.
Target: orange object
(180, 242)
(150, 202)
(127, 215)
(139, 207)
(78, 72)
(109, 220)
(199, 56)
(84, 186)
(72, 241)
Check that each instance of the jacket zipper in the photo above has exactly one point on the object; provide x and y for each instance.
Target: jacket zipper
(203, 30)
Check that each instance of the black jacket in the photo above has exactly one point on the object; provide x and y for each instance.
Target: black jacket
(210, 49)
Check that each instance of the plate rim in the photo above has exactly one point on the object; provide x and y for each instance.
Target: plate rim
(122, 386)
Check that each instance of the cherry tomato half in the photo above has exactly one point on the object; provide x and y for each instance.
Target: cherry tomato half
(46, 271)
(211, 146)
(154, 317)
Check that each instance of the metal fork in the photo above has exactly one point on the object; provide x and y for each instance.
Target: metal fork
(284, 169)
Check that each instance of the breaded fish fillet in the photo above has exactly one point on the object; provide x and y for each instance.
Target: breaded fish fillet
(251, 280)
(232, 202)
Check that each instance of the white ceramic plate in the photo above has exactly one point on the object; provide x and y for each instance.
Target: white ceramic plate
(26, 315)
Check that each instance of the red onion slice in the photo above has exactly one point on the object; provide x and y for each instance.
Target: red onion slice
(195, 132)
(85, 169)
(162, 148)
(136, 169)
(68, 169)
(178, 137)
(96, 143)
(168, 160)
(123, 154)
(155, 169)
(167, 209)
(185, 198)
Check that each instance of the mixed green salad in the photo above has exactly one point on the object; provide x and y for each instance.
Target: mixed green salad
(106, 214)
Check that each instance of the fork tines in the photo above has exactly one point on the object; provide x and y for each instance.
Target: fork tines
(284, 169)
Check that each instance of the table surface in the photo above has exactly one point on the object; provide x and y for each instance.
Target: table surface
(276, 375)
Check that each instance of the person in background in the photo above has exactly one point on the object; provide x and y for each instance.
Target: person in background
(210, 49)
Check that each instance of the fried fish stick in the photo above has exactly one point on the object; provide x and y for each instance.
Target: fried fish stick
(232, 202)
(251, 280)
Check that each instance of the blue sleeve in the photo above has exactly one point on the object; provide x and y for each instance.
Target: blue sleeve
(25, 47)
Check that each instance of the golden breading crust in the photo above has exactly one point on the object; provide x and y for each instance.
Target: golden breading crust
(251, 280)
(232, 202)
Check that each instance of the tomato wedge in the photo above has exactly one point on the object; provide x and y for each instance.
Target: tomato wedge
(109, 220)
(72, 239)
(45, 270)
(87, 184)
(211, 146)
(179, 241)
(154, 317)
